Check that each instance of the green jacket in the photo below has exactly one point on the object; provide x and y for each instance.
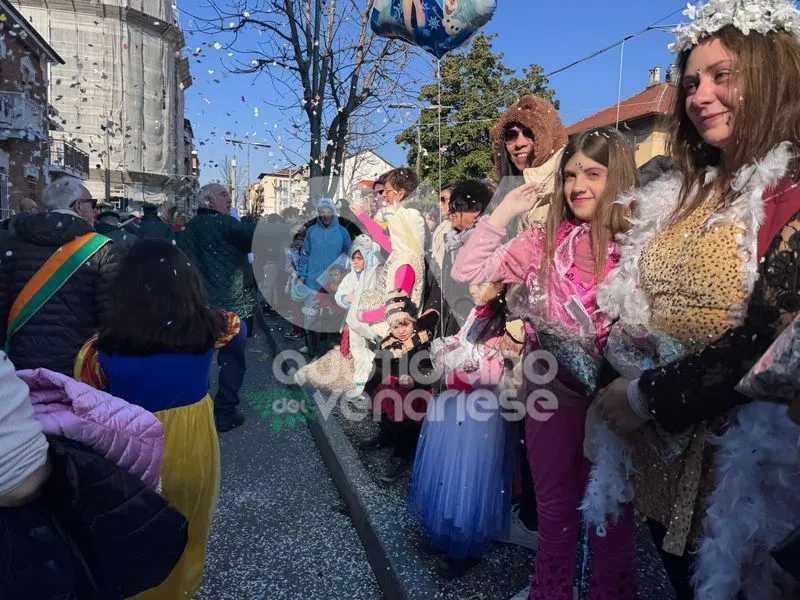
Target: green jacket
(152, 227)
(217, 245)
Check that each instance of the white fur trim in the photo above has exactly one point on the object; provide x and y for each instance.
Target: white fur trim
(620, 296)
(407, 232)
(609, 484)
(754, 505)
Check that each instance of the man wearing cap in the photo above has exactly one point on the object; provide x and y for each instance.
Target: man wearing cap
(468, 200)
(52, 335)
(108, 224)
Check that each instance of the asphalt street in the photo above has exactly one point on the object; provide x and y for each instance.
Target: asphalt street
(281, 531)
(278, 533)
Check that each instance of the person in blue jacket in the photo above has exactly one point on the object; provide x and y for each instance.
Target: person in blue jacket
(326, 243)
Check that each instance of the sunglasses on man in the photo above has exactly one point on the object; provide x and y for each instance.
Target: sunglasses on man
(86, 200)
(511, 135)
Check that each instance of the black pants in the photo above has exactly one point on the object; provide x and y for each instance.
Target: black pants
(232, 367)
(403, 436)
(678, 568)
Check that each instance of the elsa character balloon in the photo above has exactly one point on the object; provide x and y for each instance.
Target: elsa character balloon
(460, 14)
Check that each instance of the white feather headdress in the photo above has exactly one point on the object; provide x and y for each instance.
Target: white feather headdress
(760, 16)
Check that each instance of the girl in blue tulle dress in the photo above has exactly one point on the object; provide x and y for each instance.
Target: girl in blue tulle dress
(460, 487)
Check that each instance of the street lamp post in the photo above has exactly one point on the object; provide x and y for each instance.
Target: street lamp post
(404, 105)
(248, 143)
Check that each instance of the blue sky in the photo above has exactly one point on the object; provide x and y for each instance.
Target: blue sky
(552, 34)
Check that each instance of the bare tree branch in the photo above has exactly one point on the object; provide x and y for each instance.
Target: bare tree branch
(322, 54)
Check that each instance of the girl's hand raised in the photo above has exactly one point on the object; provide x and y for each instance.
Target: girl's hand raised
(518, 202)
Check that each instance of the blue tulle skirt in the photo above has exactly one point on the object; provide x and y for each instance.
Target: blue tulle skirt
(460, 485)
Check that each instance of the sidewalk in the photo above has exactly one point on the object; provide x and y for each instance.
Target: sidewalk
(394, 541)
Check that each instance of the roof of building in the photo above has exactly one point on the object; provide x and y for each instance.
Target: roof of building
(284, 173)
(657, 99)
(31, 38)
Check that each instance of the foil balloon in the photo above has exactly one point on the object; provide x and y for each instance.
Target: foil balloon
(438, 26)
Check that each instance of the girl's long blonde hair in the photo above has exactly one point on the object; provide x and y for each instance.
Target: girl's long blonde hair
(608, 147)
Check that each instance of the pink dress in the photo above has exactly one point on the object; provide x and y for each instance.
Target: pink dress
(556, 411)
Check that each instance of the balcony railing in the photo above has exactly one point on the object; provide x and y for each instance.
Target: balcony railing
(21, 118)
(68, 159)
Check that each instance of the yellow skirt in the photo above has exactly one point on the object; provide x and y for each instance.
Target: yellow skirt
(190, 478)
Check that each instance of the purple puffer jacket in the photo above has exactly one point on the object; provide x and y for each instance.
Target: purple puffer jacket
(124, 433)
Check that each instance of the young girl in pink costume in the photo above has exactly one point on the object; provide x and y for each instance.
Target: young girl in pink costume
(561, 264)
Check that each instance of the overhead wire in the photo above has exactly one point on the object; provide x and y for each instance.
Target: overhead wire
(513, 94)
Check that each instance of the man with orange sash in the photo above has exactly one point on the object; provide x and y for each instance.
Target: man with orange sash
(55, 276)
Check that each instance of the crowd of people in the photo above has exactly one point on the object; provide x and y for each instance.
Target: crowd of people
(647, 320)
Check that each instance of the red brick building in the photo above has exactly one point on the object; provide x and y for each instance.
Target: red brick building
(24, 109)
(643, 118)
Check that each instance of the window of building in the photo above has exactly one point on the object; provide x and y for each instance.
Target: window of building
(32, 188)
(4, 207)
(28, 71)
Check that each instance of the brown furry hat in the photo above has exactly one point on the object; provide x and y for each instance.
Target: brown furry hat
(541, 117)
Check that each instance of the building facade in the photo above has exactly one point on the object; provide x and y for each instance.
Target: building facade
(25, 58)
(278, 190)
(120, 94)
(643, 118)
(290, 187)
(365, 166)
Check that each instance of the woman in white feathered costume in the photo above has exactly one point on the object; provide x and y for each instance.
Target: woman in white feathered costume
(405, 267)
(709, 275)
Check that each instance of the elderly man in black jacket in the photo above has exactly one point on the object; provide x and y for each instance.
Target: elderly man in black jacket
(217, 244)
(53, 335)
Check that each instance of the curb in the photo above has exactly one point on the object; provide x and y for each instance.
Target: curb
(400, 572)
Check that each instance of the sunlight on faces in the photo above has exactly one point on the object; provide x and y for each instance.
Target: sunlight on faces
(222, 201)
(711, 93)
(391, 195)
(357, 261)
(402, 328)
(461, 220)
(85, 206)
(584, 184)
(444, 201)
(483, 293)
(519, 145)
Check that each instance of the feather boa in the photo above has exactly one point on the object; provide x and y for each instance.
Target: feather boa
(620, 297)
(754, 506)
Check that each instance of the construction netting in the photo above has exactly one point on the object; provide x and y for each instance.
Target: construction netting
(118, 94)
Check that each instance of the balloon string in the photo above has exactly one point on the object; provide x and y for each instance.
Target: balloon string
(439, 191)
(439, 109)
(619, 88)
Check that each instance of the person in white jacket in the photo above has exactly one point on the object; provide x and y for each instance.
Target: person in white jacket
(23, 446)
(363, 256)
